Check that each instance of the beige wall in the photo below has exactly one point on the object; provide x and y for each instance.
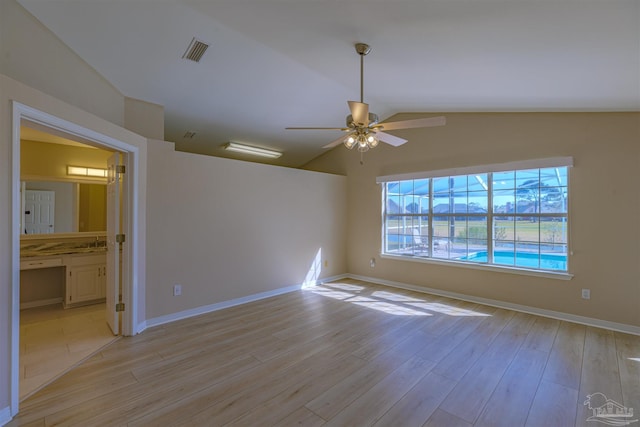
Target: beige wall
(144, 118)
(92, 207)
(32, 54)
(49, 161)
(604, 205)
(226, 229)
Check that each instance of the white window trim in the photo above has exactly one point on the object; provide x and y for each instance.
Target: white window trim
(550, 162)
(471, 170)
(560, 275)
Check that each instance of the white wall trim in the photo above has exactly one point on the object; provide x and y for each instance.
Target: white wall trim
(470, 170)
(598, 323)
(5, 415)
(333, 278)
(480, 266)
(168, 318)
(134, 224)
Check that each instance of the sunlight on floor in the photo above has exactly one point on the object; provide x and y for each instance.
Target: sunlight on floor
(394, 309)
(635, 359)
(389, 302)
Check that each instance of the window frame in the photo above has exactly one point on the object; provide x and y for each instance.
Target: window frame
(490, 215)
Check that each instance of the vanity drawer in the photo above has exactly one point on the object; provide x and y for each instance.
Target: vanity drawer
(40, 263)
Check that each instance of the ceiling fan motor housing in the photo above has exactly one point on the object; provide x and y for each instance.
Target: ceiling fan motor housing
(373, 120)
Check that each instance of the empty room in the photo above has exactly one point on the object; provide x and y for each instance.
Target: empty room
(279, 213)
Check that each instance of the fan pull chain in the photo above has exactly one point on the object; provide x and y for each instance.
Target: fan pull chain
(362, 158)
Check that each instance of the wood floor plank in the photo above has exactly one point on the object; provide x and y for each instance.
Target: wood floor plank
(369, 407)
(260, 383)
(302, 417)
(134, 401)
(514, 394)
(628, 349)
(439, 347)
(239, 404)
(564, 366)
(338, 397)
(600, 372)
(553, 405)
(442, 418)
(542, 334)
(417, 406)
(352, 353)
(469, 397)
(315, 381)
(51, 400)
(461, 357)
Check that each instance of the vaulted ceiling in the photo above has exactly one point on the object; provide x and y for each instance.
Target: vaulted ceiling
(277, 63)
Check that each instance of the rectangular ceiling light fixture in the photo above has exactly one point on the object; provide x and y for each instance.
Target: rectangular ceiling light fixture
(86, 171)
(255, 151)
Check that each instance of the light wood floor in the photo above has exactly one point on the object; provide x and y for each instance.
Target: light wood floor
(348, 354)
(52, 340)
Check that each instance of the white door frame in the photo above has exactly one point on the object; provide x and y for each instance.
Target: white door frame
(131, 225)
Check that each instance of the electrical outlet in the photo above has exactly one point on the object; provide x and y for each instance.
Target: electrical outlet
(326, 263)
(177, 290)
(372, 262)
(586, 294)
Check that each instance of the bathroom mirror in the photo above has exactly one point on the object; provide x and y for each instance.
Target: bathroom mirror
(51, 207)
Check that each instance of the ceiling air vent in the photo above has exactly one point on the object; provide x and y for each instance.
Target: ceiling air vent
(195, 50)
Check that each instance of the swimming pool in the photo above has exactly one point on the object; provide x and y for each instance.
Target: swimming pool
(522, 259)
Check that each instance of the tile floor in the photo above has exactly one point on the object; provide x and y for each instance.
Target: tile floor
(53, 340)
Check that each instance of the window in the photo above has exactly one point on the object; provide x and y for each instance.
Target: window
(501, 216)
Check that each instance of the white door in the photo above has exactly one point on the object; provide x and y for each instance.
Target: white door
(113, 247)
(39, 211)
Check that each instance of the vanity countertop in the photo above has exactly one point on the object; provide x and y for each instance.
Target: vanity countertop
(58, 248)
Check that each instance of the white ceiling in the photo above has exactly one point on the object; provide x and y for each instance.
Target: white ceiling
(278, 63)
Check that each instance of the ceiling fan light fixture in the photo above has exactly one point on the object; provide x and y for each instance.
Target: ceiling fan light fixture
(350, 142)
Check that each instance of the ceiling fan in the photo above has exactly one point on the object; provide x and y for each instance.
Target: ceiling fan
(363, 128)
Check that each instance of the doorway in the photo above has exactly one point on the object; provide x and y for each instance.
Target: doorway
(63, 318)
(130, 223)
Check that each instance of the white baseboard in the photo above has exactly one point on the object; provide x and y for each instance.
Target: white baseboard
(40, 303)
(217, 306)
(614, 326)
(598, 323)
(333, 278)
(230, 303)
(5, 415)
(140, 328)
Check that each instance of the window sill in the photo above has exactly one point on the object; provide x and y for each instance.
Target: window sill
(486, 267)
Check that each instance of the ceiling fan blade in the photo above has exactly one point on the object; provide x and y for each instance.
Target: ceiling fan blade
(307, 128)
(335, 143)
(416, 123)
(390, 139)
(359, 112)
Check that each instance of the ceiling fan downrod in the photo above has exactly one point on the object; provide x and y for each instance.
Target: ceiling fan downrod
(362, 49)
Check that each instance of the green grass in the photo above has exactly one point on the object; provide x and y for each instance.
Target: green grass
(524, 231)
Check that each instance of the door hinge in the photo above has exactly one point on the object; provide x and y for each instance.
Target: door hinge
(120, 238)
(119, 307)
(120, 169)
